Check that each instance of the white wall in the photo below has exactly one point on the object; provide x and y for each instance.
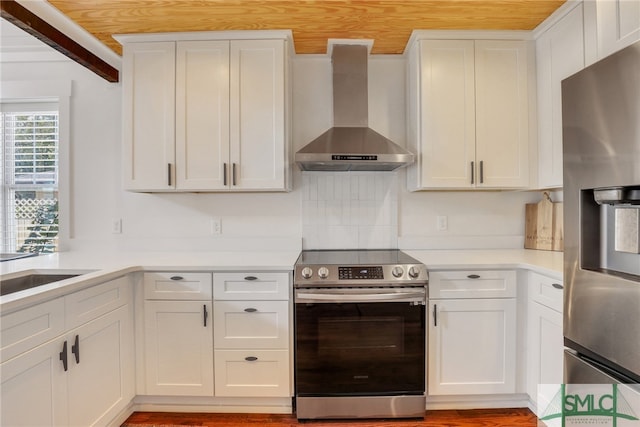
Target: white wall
(182, 221)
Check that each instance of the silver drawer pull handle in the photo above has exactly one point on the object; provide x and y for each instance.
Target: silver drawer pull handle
(176, 277)
(251, 278)
(557, 285)
(250, 358)
(250, 310)
(473, 276)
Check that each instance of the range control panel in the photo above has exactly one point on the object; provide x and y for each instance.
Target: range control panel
(360, 273)
(365, 275)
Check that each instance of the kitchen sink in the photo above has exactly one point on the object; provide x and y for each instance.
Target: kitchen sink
(31, 281)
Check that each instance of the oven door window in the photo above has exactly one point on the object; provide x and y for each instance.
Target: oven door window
(360, 348)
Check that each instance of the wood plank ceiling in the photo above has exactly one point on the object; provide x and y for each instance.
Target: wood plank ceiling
(388, 22)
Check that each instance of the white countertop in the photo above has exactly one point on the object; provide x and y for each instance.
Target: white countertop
(545, 262)
(98, 267)
(102, 266)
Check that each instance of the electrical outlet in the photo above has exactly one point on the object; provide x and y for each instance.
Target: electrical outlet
(216, 226)
(116, 226)
(441, 223)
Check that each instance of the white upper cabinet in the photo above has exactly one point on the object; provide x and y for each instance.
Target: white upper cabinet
(559, 54)
(148, 86)
(205, 115)
(258, 149)
(618, 25)
(469, 114)
(442, 117)
(202, 114)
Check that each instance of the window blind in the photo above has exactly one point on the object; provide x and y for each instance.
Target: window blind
(30, 177)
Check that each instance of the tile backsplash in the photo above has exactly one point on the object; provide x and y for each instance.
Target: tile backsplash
(349, 210)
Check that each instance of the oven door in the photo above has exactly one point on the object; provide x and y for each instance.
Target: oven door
(360, 342)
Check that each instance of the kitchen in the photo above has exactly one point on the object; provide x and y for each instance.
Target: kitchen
(271, 222)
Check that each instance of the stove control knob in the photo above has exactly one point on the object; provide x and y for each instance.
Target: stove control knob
(414, 272)
(307, 272)
(323, 272)
(397, 271)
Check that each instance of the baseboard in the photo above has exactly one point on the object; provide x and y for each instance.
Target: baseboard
(119, 419)
(478, 401)
(249, 405)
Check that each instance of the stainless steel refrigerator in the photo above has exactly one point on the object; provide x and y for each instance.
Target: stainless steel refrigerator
(601, 147)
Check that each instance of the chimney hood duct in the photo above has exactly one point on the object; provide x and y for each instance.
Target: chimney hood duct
(351, 145)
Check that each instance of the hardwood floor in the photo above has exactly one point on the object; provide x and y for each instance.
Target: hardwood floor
(450, 418)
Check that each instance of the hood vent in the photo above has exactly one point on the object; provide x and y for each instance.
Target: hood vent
(351, 145)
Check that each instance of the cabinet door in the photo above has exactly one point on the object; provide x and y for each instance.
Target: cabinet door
(559, 54)
(618, 25)
(260, 373)
(546, 346)
(472, 346)
(178, 348)
(502, 117)
(257, 115)
(100, 376)
(148, 80)
(447, 137)
(251, 324)
(202, 114)
(33, 390)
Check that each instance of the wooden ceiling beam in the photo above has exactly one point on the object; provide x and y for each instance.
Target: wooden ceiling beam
(26, 20)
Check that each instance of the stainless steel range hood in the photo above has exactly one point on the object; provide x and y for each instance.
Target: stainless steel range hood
(351, 145)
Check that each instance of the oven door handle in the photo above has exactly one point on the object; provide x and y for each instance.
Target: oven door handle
(336, 297)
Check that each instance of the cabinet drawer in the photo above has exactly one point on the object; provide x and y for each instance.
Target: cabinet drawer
(28, 328)
(546, 290)
(472, 284)
(251, 324)
(251, 286)
(252, 373)
(88, 304)
(177, 286)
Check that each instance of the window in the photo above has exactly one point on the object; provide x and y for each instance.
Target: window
(29, 169)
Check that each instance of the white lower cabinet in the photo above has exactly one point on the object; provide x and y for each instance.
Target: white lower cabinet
(472, 340)
(217, 335)
(100, 381)
(178, 334)
(544, 334)
(179, 348)
(252, 373)
(472, 346)
(34, 388)
(252, 334)
(81, 378)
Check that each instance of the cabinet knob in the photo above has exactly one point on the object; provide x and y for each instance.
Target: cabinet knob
(557, 285)
(473, 276)
(176, 277)
(250, 310)
(250, 358)
(250, 278)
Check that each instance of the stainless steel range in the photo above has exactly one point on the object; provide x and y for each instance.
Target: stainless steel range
(360, 334)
